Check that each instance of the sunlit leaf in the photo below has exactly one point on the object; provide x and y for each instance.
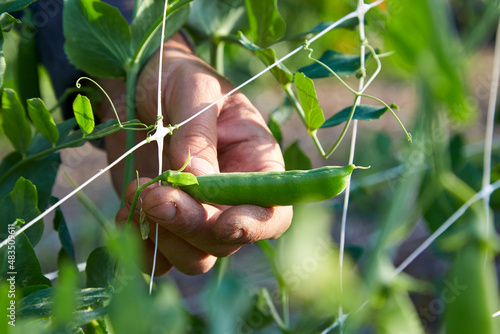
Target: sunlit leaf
(42, 119)
(216, 18)
(265, 21)
(97, 37)
(314, 116)
(14, 121)
(268, 57)
(148, 20)
(83, 114)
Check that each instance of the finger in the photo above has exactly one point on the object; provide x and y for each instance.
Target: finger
(186, 218)
(246, 224)
(146, 262)
(245, 143)
(181, 254)
(131, 190)
(198, 137)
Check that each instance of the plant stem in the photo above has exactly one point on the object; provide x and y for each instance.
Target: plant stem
(344, 131)
(130, 139)
(217, 54)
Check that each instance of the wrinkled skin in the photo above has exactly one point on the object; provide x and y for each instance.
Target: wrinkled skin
(231, 136)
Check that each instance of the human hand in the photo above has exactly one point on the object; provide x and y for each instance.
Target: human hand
(229, 137)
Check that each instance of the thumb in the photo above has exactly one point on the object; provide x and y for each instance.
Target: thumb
(198, 137)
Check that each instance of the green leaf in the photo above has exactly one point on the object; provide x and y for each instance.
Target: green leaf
(21, 203)
(295, 158)
(275, 130)
(83, 114)
(216, 18)
(15, 123)
(41, 172)
(266, 24)
(268, 57)
(26, 68)
(13, 5)
(342, 64)
(362, 112)
(100, 268)
(97, 38)
(26, 265)
(146, 26)
(7, 22)
(67, 250)
(39, 305)
(42, 119)
(314, 116)
(181, 178)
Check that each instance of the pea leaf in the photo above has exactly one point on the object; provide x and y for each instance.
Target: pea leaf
(98, 38)
(26, 69)
(42, 173)
(216, 18)
(21, 203)
(15, 123)
(42, 120)
(27, 267)
(268, 57)
(362, 112)
(100, 268)
(8, 21)
(180, 178)
(314, 116)
(68, 250)
(266, 24)
(143, 224)
(295, 158)
(342, 64)
(41, 303)
(146, 25)
(83, 114)
(13, 5)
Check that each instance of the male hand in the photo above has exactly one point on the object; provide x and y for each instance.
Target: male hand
(229, 137)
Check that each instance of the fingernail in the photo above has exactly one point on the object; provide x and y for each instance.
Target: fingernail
(165, 211)
(235, 236)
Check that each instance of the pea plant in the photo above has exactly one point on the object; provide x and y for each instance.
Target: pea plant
(315, 284)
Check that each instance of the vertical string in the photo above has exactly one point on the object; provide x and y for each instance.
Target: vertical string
(361, 12)
(159, 139)
(490, 124)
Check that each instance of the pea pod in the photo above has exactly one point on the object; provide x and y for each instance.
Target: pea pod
(271, 188)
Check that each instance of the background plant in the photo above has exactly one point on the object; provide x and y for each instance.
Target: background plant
(318, 284)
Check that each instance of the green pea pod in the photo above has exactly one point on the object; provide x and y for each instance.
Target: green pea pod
(271, 188)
